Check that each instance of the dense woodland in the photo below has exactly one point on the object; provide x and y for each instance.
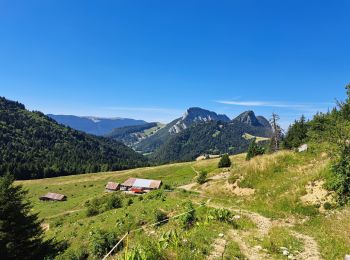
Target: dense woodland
(33, 145)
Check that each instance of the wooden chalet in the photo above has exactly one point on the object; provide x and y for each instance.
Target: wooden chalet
(50, 196)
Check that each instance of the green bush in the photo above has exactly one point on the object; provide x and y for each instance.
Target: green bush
(129, 202)
(156, 194)
(160, 216)
(92, 210)
(327, 206)
(222, 215)
(114, 202)
(101, 242)
(339, 181)
(202, 177)
(188, 219)
(224, 161)
(254, 150)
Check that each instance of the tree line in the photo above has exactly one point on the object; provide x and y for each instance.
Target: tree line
(33, 145)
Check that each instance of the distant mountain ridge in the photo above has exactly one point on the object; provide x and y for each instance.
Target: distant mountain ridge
(192, 116)
(196, 115)
(197, 120)
(33, 145)
(213, 137)
(95, 125)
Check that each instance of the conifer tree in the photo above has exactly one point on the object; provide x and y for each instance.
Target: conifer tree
(224, 161)
(297, 134)
(21, 236)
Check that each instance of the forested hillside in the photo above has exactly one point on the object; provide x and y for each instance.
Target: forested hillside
(208, 138)
(33, 145)
(130, 135)
(167, 143)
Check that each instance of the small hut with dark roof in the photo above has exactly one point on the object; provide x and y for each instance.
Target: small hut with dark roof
(112, 186)
(53, 197)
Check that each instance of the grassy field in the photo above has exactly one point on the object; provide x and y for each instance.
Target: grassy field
(270, 218)
(257, 138)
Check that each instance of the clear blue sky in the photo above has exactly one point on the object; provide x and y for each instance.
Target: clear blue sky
(153, 59)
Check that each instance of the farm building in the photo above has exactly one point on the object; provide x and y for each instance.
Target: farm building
(53, 197)
(112, 186)
(140, 185)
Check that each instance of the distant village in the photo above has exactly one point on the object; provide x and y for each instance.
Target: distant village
(134, 186)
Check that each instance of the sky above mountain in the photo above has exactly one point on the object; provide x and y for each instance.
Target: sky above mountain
(152, 60)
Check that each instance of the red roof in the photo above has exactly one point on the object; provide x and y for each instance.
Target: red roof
(142, 183)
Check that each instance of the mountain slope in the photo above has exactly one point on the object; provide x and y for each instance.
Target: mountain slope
(195, 115)
(207, 138)
(95, 125)
(131, 135)
(33, 145)
(192, 116)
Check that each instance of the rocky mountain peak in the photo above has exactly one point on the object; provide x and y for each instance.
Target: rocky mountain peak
(248, 117)
(194, 115)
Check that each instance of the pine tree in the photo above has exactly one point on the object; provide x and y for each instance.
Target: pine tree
(297, 134)
(21, 236)
(224, 161)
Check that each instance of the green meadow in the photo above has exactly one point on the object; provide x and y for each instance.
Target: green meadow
(224, 225)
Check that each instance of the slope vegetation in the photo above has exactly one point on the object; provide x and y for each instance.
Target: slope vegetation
(212, 137)
(268, 223)
(131, 135)
(33, 145)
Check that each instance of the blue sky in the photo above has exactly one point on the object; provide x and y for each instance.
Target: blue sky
(153, 59)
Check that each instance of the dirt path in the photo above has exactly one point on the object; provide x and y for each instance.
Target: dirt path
(189, 187)
(264, 224)
(252, 253)
(311, 249)
(219, 249)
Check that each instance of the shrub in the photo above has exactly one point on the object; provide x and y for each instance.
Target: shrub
(159, 216)
(114, 202)
(224, 161)
(222, 215)
(129, 202)
(101, 242)
(188, 219)
(254, 150)
(202, 177)
(327, 206)
(339, 181)
(92, 210)
(157, 194)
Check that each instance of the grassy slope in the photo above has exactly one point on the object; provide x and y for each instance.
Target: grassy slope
(279, 181)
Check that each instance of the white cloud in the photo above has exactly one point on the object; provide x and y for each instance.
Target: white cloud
(301, 106)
